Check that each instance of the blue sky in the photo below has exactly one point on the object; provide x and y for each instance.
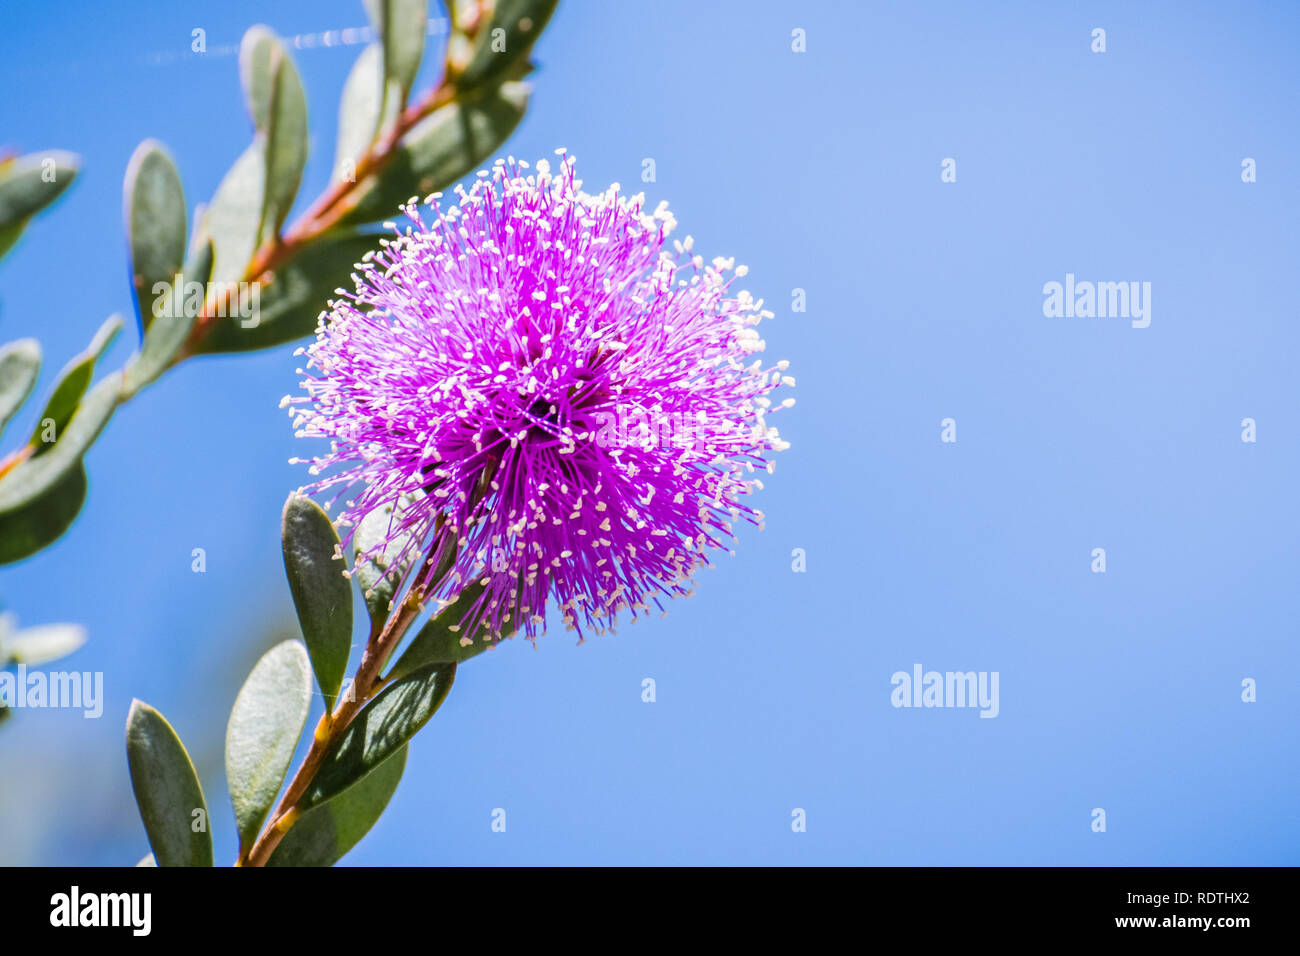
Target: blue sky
(820, 171)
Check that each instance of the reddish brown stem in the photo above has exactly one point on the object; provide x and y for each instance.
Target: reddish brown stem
(332, 727)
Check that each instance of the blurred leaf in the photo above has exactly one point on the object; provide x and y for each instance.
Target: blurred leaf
(278, 107)
(169, 332)
(325, 833)
(380, 730)
(20, 364)
(34, 646)
(155, 223)
(401, 25)
(293, 297)
(233, 218)
(444, 146)
(41, 522)
(71, 386)
(437, 643)
(27, 185)
(321, 594)
(263, 732)
(359, 119)
(167, 790)
(257, 73)
(31, 479)
(378, 576)
(286, 145)
(503, 45)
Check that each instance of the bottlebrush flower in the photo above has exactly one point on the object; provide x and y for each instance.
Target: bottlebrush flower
(570, 411)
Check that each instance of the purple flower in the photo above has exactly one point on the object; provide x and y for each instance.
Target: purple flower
(563, 409)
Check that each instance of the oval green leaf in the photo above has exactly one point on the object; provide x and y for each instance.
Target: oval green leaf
(286, 143)
(321, 594)
(278, 108)
(263, 732)
(154, 209)
(256, 72)
(167, 790)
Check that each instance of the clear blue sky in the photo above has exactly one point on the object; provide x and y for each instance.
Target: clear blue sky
(821, 171)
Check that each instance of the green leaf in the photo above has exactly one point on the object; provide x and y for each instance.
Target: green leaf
(278, 107)
(291, 299)
(401, 25)
(437, 643)
(34, 477)
(257, 73)
(286, 145)
(263, 732)
(232, 220)
(41, 522)
(167, 790)
(20, 364)
(378, 575)
(444, 146)
(168, 333)
(30, 183)
(381, 729)
(71, 386)
(35, 646)
(359, 111)
(321, 594)
(154, 203)
(325, 833)
(504, 44)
